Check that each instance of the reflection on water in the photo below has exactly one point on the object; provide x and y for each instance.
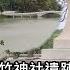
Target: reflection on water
(27, 33)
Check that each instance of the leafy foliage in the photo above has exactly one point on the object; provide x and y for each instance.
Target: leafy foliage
(29, 5)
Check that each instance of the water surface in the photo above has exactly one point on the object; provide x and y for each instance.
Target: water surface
(27, 33)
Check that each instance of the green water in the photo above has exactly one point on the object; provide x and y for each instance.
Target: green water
(27, 33)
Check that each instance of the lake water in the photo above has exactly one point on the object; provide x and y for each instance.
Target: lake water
(27, 33)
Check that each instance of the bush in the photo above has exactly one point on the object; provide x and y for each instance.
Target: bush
(51, 15)
(29, 5)
(16, 54)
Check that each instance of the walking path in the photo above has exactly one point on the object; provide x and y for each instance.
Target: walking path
(61, 49)
(63, 41)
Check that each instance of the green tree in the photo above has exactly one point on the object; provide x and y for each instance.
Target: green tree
(29, 5)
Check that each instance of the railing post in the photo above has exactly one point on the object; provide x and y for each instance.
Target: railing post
(21, 16)
(13, 16)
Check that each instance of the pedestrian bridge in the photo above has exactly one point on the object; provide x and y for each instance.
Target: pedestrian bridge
(46, 12)
(39, 14)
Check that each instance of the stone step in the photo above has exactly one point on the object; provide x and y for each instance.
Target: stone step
(55, 54)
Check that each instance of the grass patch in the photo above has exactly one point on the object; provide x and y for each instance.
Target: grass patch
(49, 43)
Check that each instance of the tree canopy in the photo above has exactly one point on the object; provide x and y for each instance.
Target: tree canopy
(29, 5)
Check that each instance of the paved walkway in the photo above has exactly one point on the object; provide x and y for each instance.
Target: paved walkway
(63, 41)
(61, 49)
